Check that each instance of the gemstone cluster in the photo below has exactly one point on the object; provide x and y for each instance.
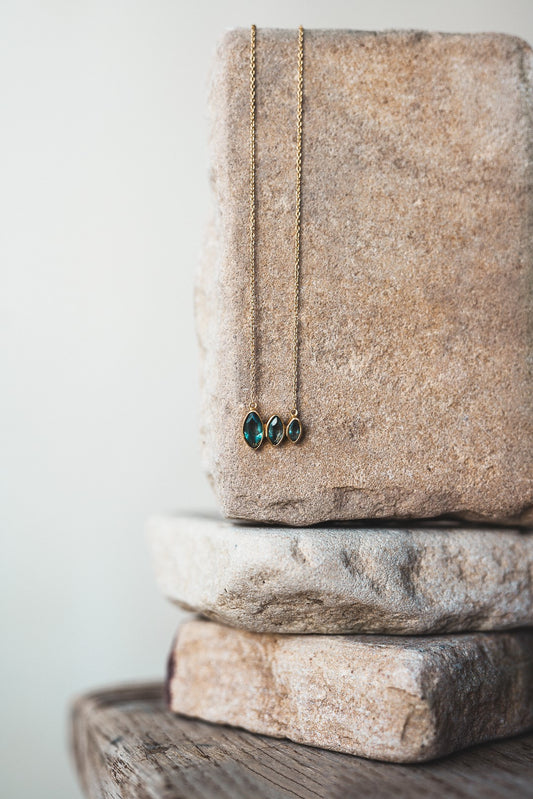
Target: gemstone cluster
(254, 431)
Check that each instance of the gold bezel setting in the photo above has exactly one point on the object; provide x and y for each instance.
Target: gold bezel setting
(253, 412)
(300, 427)
(283, 433)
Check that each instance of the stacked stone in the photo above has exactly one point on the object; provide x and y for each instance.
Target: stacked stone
(399, 640)
(279, 650)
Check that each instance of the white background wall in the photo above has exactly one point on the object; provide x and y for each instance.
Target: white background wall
(103, 198)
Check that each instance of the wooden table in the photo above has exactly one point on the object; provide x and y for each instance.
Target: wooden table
(126, 744)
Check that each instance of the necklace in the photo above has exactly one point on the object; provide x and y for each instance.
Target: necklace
(275, 430)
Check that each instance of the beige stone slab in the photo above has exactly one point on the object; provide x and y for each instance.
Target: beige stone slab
(411, 579)
(416, 277)
(398, 699)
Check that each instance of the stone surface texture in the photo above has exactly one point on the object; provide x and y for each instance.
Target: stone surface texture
(345, 580)
(416, 277)
(397, 699)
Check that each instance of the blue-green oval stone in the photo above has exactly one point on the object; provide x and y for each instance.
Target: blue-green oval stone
(294, 429)
(252, 430)
(275, 430)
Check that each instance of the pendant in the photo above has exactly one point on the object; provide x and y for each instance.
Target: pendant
(275, 430)
(294, 429)
(252, 429)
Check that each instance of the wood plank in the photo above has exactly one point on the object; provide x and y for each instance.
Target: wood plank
(127, 745)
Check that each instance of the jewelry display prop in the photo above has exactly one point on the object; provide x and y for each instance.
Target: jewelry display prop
(404, 700)
(391, 300)
(416, 276)
(394, 580)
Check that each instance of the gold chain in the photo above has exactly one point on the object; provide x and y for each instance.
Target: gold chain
(253, 376)
(297, 227)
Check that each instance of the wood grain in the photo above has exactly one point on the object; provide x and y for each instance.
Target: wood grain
(126, 745)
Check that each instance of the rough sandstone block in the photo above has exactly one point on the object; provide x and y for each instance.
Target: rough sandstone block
(398, 699)
(416, 277)
(345, 580)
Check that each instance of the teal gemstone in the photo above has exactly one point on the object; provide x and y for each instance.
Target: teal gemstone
(252, 430)
(294, 430)
(275, 430)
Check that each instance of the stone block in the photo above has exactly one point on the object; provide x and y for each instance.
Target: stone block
(410, 579)
(416, 277)
(398, 699)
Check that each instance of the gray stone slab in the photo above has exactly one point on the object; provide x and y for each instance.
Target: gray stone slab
(412, 579)
(389, 698)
